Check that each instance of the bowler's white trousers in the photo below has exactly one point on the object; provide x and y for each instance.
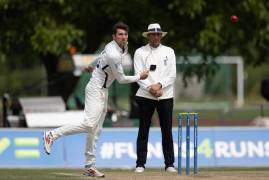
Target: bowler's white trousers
(94, 116)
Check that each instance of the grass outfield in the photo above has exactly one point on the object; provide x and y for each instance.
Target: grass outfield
(155, 174)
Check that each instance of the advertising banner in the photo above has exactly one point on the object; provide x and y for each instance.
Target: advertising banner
(217, 147)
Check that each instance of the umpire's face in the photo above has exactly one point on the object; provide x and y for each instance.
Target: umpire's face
(154, 39)
(121, 37)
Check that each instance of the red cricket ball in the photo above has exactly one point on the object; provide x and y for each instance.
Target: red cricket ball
(234, 18)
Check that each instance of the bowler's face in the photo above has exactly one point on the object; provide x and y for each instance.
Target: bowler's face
(154, 39)
(121, 37)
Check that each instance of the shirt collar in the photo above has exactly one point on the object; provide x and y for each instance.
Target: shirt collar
(119, 48)
(152, 48)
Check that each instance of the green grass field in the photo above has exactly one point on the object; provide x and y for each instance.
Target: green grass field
(156, 174)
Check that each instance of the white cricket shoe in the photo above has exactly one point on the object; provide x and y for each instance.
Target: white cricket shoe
(139, 169)
(48, 141)
(171, 169)
(93, 172)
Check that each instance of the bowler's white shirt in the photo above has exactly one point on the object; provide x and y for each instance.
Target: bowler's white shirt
(164, 59)
(109, 67)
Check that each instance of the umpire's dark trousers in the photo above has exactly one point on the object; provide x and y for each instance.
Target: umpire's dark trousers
(165, 110)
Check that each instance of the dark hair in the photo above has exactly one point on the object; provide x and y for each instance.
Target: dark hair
(120, 25)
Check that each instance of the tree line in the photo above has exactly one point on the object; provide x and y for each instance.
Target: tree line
(45, 29)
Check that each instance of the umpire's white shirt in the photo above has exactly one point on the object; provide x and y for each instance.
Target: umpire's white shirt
(165, 73)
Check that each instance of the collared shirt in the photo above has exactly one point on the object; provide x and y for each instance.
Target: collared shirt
(109, 67)
(165, 73)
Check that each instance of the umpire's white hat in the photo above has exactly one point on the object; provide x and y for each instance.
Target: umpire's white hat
(154, 28)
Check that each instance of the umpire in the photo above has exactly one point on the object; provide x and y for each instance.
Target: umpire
(155, 92)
